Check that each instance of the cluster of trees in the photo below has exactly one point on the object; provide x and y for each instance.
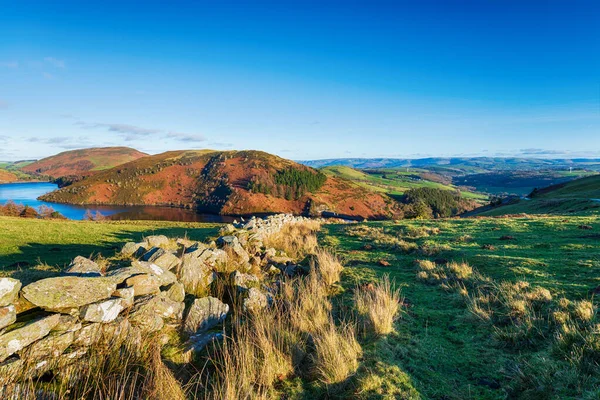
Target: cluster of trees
(290, 183)
(425, 203)
(11, 209)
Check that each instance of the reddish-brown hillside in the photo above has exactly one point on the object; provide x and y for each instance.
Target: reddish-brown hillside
(225, 182)
(6, 176)
(83, 162)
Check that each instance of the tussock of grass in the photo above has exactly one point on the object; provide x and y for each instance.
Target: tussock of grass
(378, 304)
(336, 353)
(328, 267)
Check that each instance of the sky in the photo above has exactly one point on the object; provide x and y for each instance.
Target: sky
(303, 80)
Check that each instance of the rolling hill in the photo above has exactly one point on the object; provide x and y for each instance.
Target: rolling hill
(396, 181)
(580, 196)
(228, 183)
(77, 163)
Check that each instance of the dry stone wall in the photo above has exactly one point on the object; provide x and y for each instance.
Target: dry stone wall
(55, 321)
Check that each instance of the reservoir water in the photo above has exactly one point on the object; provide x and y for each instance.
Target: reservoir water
(27, 193)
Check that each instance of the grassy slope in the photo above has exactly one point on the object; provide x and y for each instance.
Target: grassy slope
(581, 196)
(49, 245)
(396, 181)
(438, 349)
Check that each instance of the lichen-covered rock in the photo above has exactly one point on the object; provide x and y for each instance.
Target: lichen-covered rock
(8, 315)
(82, 266)
(204, 314)
(244, 281)
(68, 292)
(164, 276)
(143, 284)
(166, 261)
(175, 292)
(19, 338)
(255, 300)
(9, 288)
(131, 248)
(51, 346)
(22, 304)
(198, 342)
(104, 311)
(149, 312)
(67, 323)
(195, 274)
(157, 240)
(126, 295)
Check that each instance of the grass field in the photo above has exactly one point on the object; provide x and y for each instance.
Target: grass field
(440, 351)
(32, 249)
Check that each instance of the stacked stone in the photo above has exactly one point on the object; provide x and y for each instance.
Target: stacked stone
(55, 321)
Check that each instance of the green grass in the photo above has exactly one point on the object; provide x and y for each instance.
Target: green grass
(47, 246)
(438, 350)
(580, 196)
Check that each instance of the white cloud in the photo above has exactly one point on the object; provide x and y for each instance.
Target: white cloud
(131, 132)
(9, 64)
(55, 62)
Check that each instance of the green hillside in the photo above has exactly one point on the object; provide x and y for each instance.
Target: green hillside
(581, 196)
(395, 181)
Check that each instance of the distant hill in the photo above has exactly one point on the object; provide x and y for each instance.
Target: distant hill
(76, 163)
(396, 181)
(7, 177)
(579, 196)
(228, 183)
(463, 164)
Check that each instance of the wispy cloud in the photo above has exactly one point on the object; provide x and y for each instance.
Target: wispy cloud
(55, 62)
(221, 144)
(9, 64)
(542, 152)
(132, 132)
(48, 75)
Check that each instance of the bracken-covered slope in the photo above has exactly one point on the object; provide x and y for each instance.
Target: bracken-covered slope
(228, 183)
(580, 196)
(6, 176)
(83, 162)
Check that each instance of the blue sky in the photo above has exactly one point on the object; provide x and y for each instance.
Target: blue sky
(303, 80)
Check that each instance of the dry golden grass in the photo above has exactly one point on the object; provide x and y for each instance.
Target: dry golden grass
(296, 240)
(379, 305)
(328, 266)
(307, 303)
(337, 353)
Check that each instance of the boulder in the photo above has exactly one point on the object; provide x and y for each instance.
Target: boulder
(67, 323)
(131, 248)
(82, 266)
(198, 342)
(22, 304)
(22, 337)
(204, 314)
(244, 281)
(126, 295)
(255, 300)
(164, 276)
(104, 311)
(9, 288)
(166, 261)
(68, 292)
(88, 335)
(149, 312)
(143, 284)
(154, 251)
(8, 315)
(228, 240)
(157, 240)
(51, 346)
(195, 274)
(175, 292)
